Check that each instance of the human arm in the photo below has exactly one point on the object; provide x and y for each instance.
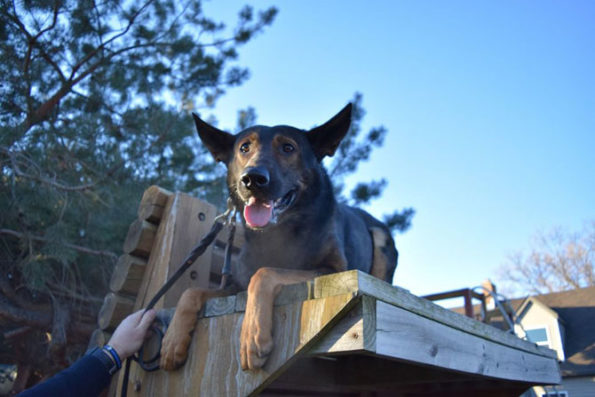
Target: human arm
(90, 375)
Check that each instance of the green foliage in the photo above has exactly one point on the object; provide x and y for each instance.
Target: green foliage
(90, 96)
(95, 102)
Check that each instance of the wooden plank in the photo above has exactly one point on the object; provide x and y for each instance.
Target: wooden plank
(152, 204)
(185, 222)
(317, 313)
(365, 284)
(193, 221)
(128, 275)
(220, 306)
(156, 272)
(213, 365)
(114, 309)
(354, 333)
(140, 237)
(403, 335)
(347, 336)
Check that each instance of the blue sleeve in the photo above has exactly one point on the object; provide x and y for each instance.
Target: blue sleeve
(86, 377)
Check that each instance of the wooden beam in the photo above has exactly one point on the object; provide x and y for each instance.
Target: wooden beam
(114, 309)
(140, 237)
(213, 366)
(152, 204)
(128, 275)
(364, 284)
(406, 336)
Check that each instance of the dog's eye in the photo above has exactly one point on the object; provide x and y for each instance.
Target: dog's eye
(288, 148)
(245, 148)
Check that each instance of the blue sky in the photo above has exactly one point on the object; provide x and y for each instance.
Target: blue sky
(489, 106)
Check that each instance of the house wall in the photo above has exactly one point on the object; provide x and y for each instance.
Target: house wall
(579, 387)
(539, 316)
(573, 387)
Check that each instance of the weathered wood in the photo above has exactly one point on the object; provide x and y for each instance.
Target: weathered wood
(220, 306)
(404, 335)
(128, 275)
(365, 284)
(114, 309)
(356, 332)
(186, 220)
(140, 237)
(153, 203)
(213, 366)
(194, 221)
(342, 315)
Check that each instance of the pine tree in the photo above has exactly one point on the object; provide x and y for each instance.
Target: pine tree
(90, 115)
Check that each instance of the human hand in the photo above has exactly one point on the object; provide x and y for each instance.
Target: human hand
(130, 334)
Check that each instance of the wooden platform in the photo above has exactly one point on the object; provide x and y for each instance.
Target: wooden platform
(342, 334)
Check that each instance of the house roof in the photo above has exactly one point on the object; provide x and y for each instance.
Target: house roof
(576, 309)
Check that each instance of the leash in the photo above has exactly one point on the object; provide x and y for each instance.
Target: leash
(226, 218)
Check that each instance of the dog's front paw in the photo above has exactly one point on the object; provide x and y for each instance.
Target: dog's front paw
(174, 348)
(256, 343)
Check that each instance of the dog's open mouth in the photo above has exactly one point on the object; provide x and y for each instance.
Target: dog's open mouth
(259, 213)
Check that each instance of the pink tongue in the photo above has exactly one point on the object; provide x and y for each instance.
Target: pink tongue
(258, 214)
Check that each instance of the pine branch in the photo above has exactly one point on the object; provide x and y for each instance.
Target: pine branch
(75, 247)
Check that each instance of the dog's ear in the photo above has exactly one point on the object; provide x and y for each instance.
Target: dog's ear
(219, 143)
(325, 139)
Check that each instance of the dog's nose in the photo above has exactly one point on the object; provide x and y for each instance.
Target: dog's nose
(256, 177)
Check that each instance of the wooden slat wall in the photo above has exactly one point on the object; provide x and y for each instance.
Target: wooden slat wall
(130, 268)
(213, 366)
(167, 228)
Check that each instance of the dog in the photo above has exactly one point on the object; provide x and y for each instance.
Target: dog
(295, 228)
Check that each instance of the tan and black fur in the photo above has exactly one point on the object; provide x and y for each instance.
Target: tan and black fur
(307, 232)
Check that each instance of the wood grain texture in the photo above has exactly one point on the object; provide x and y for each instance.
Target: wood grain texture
(220, 306)
(114, 309)
(346, 314)
(365, 284)
(406, 336)
(186, 220)
(128, 275)
(193, 221)
(140, 238)
(213, 366)
(152, 204)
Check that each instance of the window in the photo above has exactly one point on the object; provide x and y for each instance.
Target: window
(554, 393)
(538, 335)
